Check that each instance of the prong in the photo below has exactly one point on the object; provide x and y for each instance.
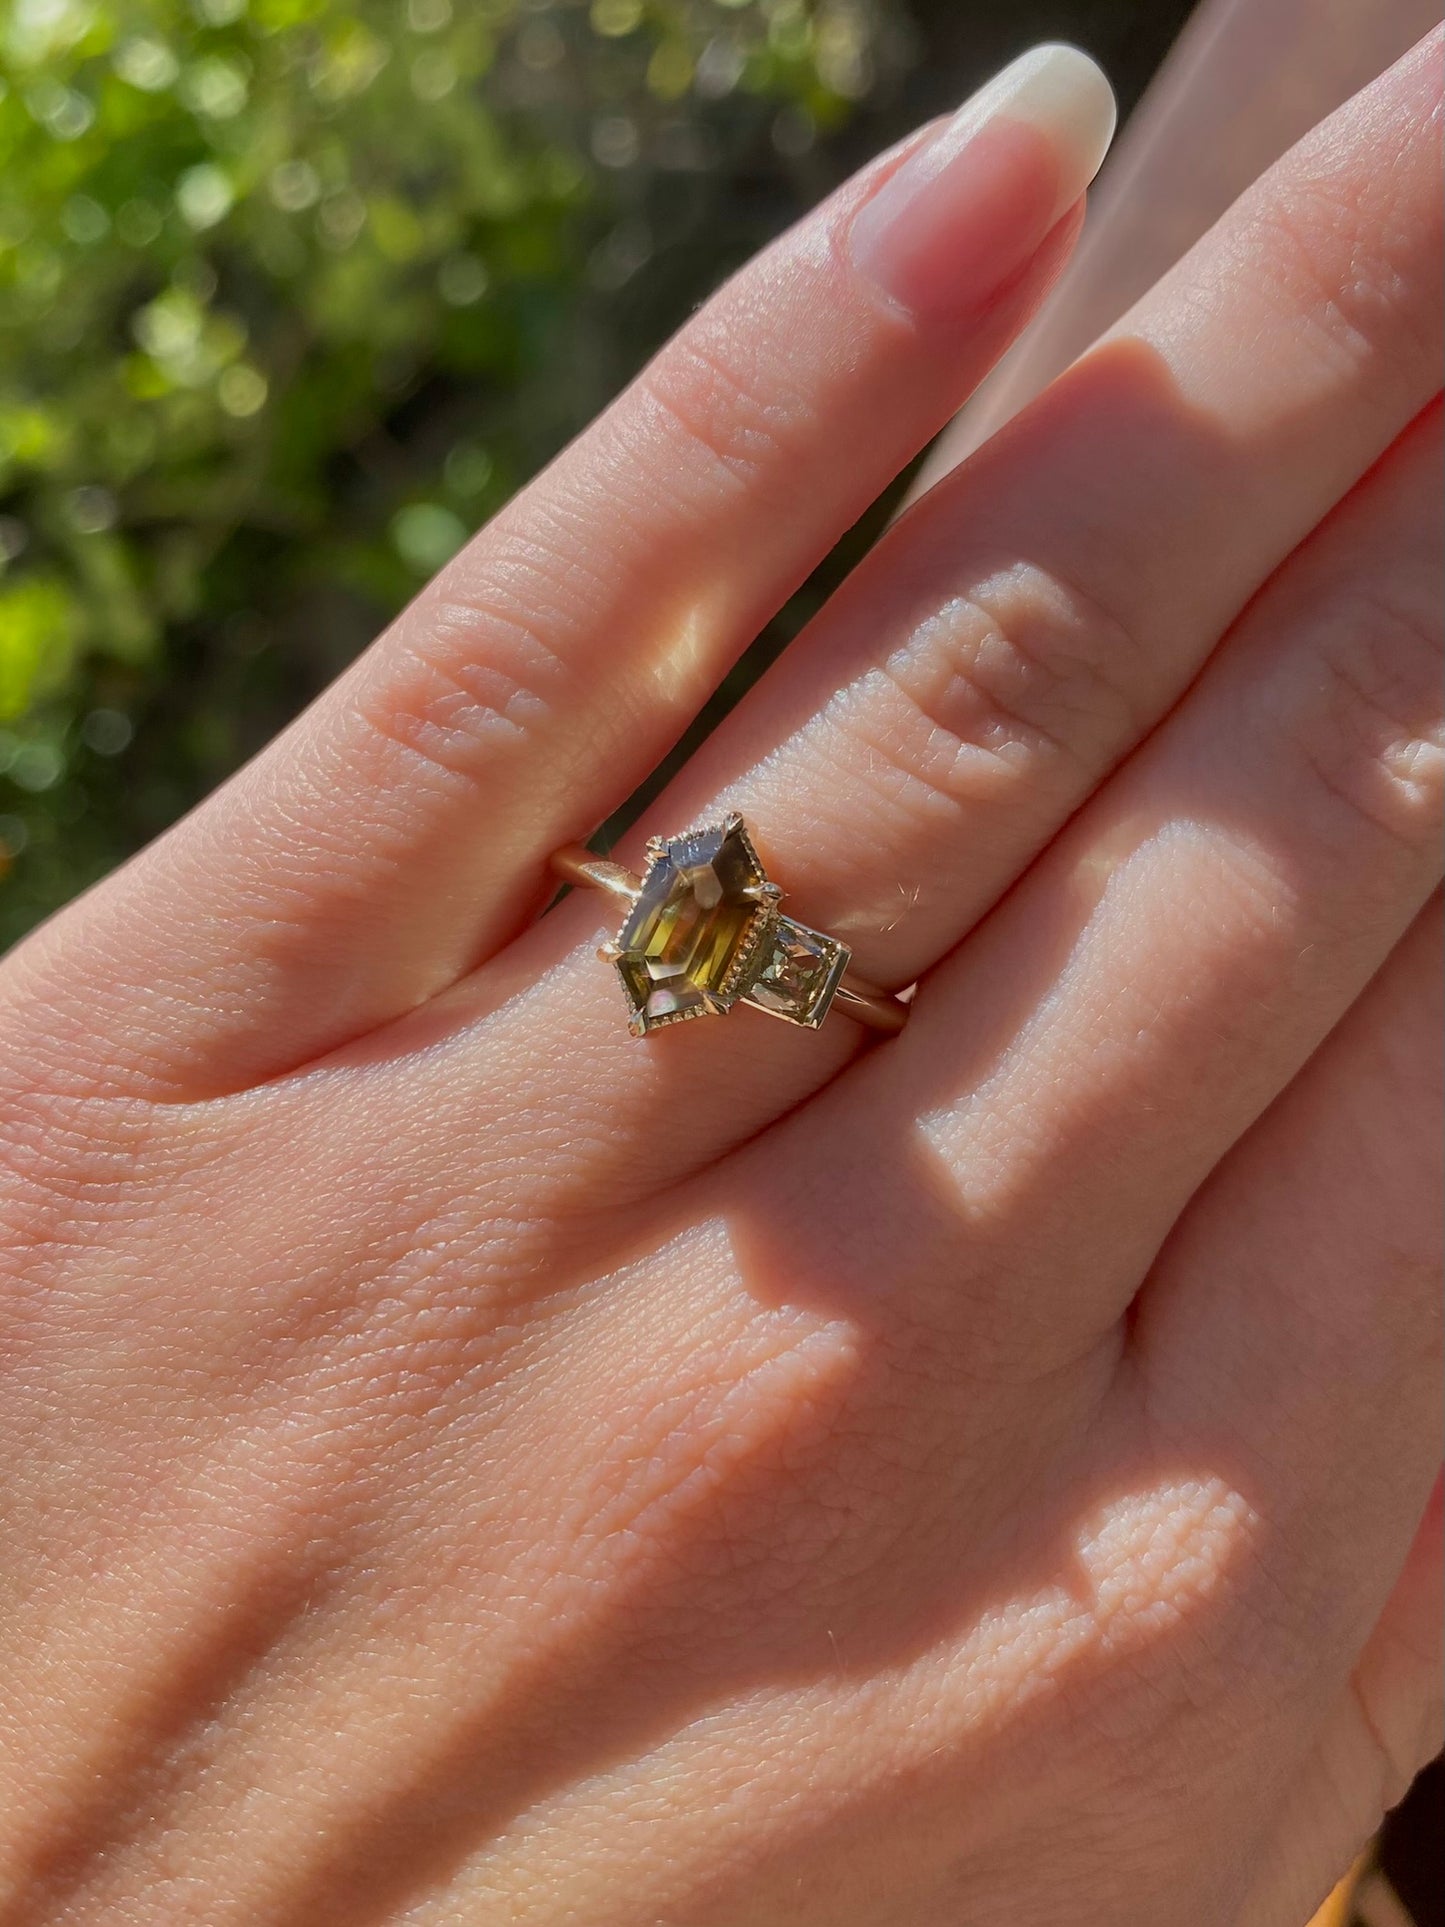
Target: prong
(732, 821)
(764, 892)
(656, 848)
(608, 952)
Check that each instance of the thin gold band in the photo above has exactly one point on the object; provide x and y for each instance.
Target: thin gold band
(864, 1002)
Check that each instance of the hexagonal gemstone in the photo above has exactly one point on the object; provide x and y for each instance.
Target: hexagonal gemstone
(689, 938)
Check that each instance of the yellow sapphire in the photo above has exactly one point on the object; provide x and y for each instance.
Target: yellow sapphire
(690, 940)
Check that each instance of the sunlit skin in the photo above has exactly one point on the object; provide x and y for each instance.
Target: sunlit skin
(463, 1464)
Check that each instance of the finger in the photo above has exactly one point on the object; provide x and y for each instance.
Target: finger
(1384, 1727)
(1039, 611)
(1079, 1068)
(1294, 1322)
(896, 809)
(400, 829)
(1297, 1303)
(1156, 199)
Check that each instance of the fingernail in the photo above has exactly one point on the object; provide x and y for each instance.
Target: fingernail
(970, 207)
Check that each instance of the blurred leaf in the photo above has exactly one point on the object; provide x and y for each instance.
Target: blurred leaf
(38, 626)
(292, 294)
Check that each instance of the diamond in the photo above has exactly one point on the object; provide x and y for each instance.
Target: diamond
(799, 977)
(688, 942)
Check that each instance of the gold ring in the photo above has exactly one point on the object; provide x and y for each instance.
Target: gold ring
(704, 931)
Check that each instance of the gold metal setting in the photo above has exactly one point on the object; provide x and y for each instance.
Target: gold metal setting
(704, 931)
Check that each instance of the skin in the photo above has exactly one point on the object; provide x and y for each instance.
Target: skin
(463, 1465)
(1265, 69)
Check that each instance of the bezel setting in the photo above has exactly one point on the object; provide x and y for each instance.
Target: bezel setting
(799, 978)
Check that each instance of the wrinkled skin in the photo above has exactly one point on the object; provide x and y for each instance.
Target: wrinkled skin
(463, 1465)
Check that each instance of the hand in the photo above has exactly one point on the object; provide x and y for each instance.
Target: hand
(464, 1465)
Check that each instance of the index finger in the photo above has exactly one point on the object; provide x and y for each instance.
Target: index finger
(398, 832)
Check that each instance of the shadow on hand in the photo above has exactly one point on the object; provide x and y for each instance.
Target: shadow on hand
(929, 1479)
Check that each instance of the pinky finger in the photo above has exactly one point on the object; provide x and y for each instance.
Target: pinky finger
(1291, 1333)
(1387, 1724)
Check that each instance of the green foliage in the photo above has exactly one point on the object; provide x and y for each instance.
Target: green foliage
(292, 294)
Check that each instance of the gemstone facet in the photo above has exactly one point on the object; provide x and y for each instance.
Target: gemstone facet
(695, 932)
(799, 974)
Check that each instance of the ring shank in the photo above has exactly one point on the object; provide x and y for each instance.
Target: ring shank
(855, 997)
(577, 864)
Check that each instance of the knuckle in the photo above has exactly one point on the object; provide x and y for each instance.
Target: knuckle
(700, 385)
(1368, 725)
(1348, 267)
(1022, 667)
(474, 670)
(1321, 275)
